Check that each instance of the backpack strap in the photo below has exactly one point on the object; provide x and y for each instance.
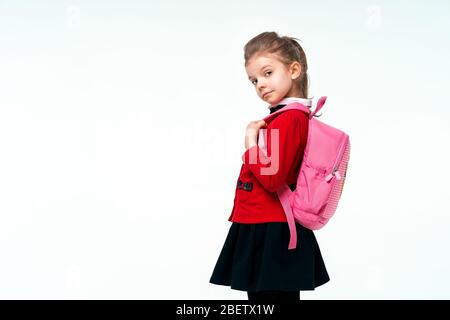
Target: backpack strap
(319, 106)
(290, 106)
(297, 106)
(284, 193)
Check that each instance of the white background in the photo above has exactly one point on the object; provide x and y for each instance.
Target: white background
(122, 126)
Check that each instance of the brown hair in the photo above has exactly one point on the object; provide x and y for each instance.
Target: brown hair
(287, 50)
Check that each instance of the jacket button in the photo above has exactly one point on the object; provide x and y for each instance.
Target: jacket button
(248, 186)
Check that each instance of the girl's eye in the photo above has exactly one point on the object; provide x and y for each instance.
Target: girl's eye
(253, 81)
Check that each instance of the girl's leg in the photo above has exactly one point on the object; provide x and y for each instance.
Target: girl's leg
(273, 295)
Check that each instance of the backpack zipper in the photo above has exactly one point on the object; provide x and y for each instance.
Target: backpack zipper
(338, 160)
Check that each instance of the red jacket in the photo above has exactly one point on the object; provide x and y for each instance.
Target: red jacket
(255, 199)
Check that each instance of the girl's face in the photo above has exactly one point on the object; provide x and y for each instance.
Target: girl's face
(272, 80)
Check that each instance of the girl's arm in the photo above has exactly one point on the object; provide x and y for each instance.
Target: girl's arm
(284, 150)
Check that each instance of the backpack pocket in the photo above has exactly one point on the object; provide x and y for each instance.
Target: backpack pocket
(315, 190)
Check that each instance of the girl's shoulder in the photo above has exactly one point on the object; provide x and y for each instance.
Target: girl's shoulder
(288, 118)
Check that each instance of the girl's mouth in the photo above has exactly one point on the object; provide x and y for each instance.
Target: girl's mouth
(265, 95)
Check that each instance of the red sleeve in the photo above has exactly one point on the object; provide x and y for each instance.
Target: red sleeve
(284, 146)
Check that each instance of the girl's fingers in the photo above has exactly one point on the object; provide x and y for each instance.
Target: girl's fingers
(257, 124)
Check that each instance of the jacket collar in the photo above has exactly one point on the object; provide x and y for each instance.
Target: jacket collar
(287, 100)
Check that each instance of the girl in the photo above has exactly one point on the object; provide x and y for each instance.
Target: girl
(255, 256)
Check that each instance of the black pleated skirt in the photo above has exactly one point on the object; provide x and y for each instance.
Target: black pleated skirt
(255, 257)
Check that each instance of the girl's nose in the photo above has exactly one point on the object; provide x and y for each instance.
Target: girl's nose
(261, 85)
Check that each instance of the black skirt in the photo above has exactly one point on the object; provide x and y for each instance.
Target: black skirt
(255, 257)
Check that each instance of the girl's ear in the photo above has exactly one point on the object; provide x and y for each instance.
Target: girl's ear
(295, 70)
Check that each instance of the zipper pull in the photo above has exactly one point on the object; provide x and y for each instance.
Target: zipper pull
(334, 173)
(329, 177)
(338, 176)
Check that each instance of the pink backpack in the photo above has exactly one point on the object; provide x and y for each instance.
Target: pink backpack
(321, 177)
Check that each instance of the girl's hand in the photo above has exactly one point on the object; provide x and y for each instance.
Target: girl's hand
(251, 133)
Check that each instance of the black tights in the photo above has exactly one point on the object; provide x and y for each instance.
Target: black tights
(273, 295)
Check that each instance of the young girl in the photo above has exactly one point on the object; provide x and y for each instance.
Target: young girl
(255, 256)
